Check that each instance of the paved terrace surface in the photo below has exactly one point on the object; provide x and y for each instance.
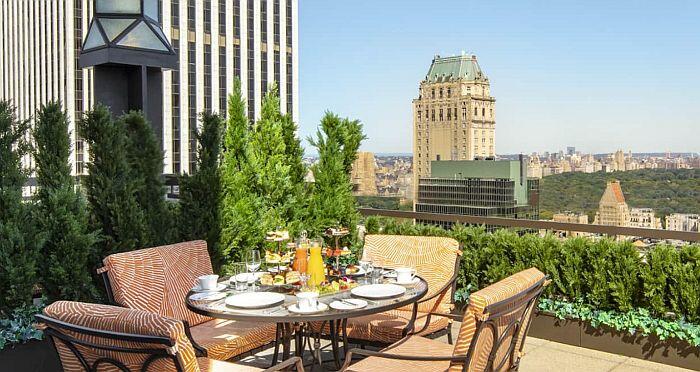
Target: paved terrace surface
(540, 356)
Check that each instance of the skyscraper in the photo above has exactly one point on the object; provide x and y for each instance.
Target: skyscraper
(216, 40)
(454, 114)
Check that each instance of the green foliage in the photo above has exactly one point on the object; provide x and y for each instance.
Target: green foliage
(332, 202)
(261, 188)
(109, 186)
(19, 326)
(19, 243)
(666, 190)
(631, 321)
(61, 213)
(605, 274)
(200, 193)
(145, 160)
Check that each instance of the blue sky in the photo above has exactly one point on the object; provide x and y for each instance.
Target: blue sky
(598, 75)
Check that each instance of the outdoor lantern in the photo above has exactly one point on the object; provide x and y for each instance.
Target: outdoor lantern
(127, 50)
(128, 32)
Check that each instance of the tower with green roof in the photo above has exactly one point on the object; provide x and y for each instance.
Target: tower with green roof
(454, 114)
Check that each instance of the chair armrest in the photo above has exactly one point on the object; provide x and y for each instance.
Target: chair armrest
(455, 317)
(444, 288)
(293, 361)
(380, 354)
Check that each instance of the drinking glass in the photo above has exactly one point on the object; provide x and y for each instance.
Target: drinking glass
(238, 277)
(253, 263)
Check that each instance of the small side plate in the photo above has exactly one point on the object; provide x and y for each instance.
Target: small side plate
(321, 307)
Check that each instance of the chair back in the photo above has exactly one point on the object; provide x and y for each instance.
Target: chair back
(435, 259)
(496, 322)
(158, 279)
(93, 337)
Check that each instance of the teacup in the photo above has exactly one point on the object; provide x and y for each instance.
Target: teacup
(307, 301)
(405, 274)
(207, 282)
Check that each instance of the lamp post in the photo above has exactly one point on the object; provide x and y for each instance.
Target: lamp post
(127, 49)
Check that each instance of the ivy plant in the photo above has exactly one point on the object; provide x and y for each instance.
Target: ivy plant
(19, 328)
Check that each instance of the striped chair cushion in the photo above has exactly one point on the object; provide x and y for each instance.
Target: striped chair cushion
(158, 279)
(386, 327)
(413, 345)
(119, 319)
(432, 257)
(225, 339)
(484, 341)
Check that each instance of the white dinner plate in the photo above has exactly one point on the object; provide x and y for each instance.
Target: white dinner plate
(345, 304)
(410, 283)
(319, 308)
(255, 300)
(377, 291)
(208, 296)
(219, 287)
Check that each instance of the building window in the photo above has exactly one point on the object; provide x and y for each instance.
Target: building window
(222, 17)
(190, 15)
(490, 113)
(432, 115)
(432, 93)
(449, 114)
(475, 111)
(441, 115)
(440, 92)
(263, 53)
(449, 92)
(207, 78)
(207, 16)
(437, 157)
(222, 80)
(419, 115)
(464, 113)
(483, 112)
(251, 61)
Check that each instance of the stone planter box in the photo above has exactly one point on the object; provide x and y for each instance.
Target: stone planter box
(577, 333)
(34, 356)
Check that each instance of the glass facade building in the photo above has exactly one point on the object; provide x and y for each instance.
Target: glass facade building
(215, 40)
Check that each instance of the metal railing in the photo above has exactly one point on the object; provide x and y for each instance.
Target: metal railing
(536, 224)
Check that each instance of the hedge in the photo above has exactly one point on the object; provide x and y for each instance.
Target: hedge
(605, 274)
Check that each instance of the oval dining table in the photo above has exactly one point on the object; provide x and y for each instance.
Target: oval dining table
(295, 326)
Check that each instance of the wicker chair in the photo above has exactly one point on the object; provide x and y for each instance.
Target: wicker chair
(158, 279)
(491, 337)
(436, 259)
(92, 337)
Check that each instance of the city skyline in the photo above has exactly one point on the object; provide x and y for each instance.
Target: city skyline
(597, 77)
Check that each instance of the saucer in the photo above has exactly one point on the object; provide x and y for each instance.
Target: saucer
(319, 308)
(219, 287)
(413, 281)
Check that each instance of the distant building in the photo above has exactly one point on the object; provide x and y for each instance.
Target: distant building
(612, 208)
(644, 218)
(364, 175)
(454, 115)
(683, 222)
(570, 217)
(478, 188)
(570, 150)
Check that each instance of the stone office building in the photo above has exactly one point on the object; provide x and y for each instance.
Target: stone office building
(454, 115)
